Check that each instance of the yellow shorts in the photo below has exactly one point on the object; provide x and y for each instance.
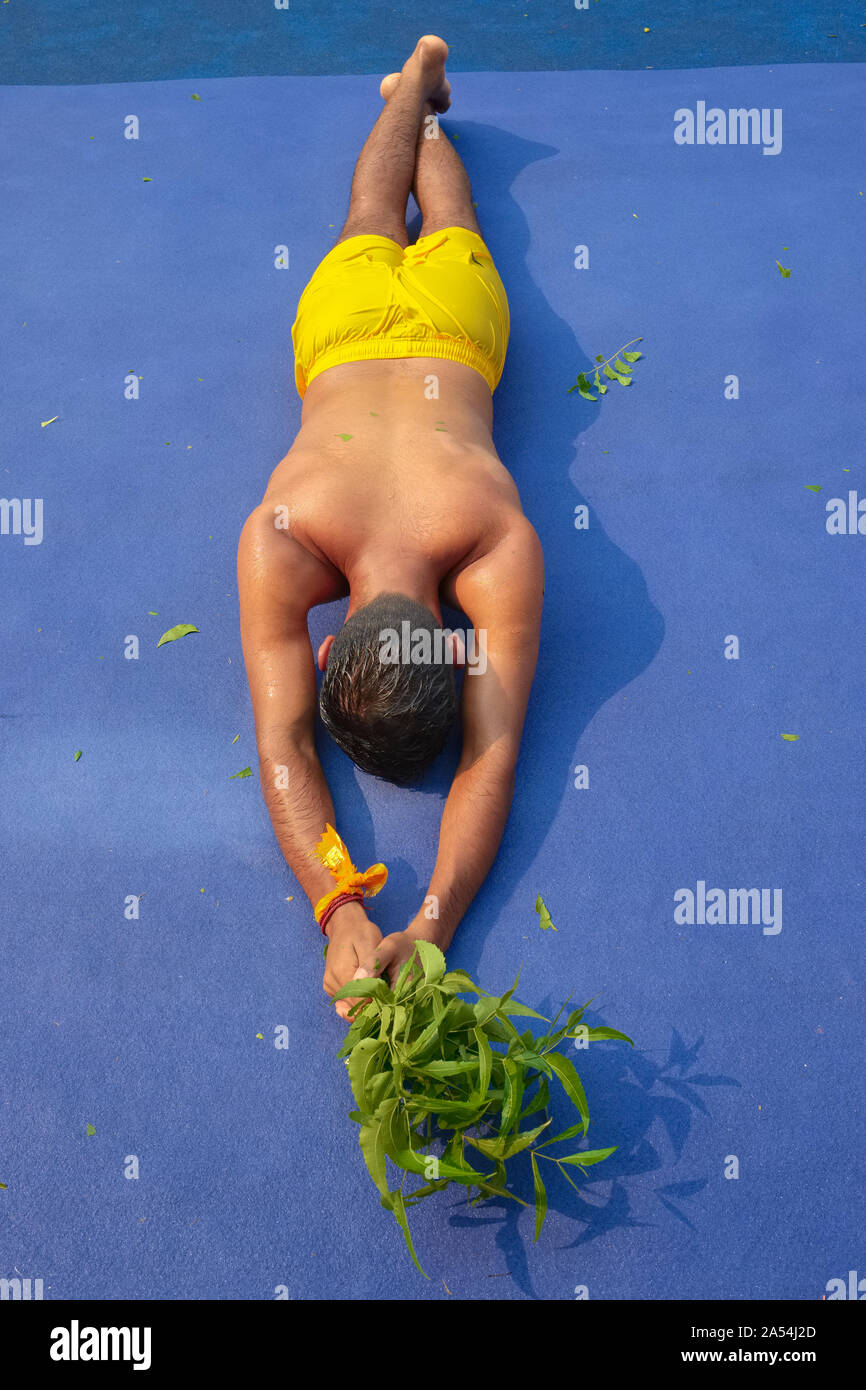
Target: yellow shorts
(371, 298)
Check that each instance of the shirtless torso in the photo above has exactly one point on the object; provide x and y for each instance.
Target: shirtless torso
(419, 478)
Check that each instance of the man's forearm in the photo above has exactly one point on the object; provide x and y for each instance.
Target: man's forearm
(472, 825)
(299, 804)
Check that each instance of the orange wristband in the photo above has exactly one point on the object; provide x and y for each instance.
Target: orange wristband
(350, 883)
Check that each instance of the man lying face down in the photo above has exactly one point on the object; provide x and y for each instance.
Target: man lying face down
(394, 495)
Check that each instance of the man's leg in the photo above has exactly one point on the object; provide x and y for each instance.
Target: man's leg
(386, 165)
(440, 184)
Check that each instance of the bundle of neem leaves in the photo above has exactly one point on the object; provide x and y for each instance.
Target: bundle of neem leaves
(419, 1056)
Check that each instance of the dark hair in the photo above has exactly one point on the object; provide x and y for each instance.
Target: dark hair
(391, 717)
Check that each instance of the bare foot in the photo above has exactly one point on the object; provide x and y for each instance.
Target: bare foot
(430, 54)
(388, 85)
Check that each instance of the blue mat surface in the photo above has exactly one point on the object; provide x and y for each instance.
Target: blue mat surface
(144, 40)
(703, 524)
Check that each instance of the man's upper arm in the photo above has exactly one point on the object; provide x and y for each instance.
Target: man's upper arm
(278, 582)
(502, 595)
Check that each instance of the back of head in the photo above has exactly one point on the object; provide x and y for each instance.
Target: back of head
(388, 697)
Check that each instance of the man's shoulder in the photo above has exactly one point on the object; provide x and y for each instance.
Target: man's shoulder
(512, 542)
(507, 575)
(276, 566)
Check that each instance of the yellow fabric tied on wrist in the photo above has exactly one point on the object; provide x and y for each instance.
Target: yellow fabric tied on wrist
(335, 857)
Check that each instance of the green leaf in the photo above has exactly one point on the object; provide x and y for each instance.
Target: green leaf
(514, 1088)
(77, 756)
(432, 961)
(496, 1031)
(378, 1088)
(363, 1023)
(586, 395)
(181, 630)
(632, 356)
(372, 1140)
(458, 982)
(397, 1135)
(785, 273)
(540, 1197)
(412, 1162)
(509, 992)
(511, 1033)
(812, 487)
(588, 1157)
(403, 981)
(540, 1100)
(244, 772)
(399, 1211)
(454, 1152)
(485, 1009)
(522, 1141)
(533, 1059)
(621, 366)
(423, 1043)
(436, 1105)
(485, 1060)
(566, 1134)
(344, 437)
(363, 1065)
(513, 1008)
(438, 1070)
(504, 1147)
(609, 372)
(567, 1031)
(571, 1084)
(607, 1034)
(569, 1180)
(543, 914)
(541, 1041)
(373, 987)
(623, 380)
(600, 357)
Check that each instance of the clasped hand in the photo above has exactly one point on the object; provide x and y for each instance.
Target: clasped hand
(357, 950)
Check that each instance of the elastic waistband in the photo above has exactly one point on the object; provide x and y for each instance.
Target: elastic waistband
(449, 349)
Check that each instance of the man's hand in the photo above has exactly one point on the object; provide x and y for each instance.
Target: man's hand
(391, 954)
(352, 938)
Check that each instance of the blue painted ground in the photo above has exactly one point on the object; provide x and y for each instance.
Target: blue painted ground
(77, 41)
(701, 526)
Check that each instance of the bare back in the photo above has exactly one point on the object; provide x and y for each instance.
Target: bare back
(375, 458)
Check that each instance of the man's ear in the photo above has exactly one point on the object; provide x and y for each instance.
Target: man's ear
(325, 651)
